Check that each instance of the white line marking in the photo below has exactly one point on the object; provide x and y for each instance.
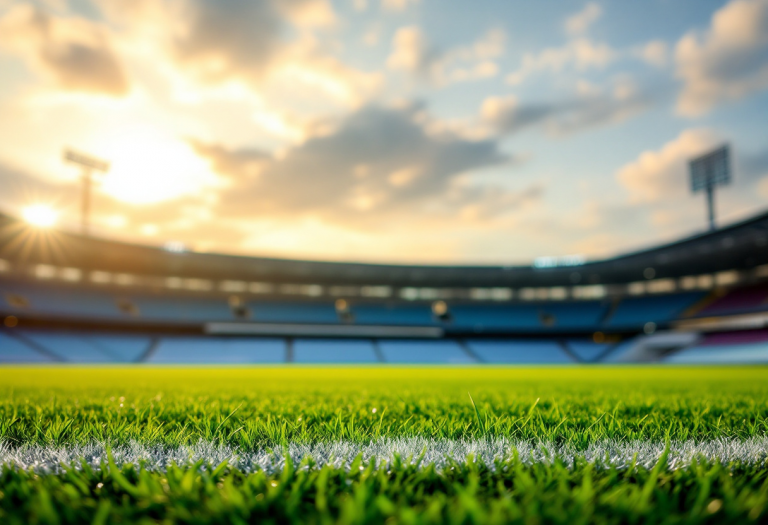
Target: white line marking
(413, 450)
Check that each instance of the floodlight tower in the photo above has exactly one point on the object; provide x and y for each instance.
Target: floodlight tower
(88, 165)
(708, 171)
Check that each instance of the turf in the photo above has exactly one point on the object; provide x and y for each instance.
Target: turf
(263, 407)
(252, 409)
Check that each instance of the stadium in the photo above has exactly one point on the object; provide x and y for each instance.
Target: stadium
(76, 299)
(383, 262)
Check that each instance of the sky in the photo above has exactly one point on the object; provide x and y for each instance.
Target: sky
(402, 131)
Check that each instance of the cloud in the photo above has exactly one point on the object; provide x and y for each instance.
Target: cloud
(663, 175)
(579, 23)
(226, 38)
(412, 53)
(753, 166)
(76, 53)
(239, 165)
(593, 108)
(580, 53)
(728, 61)
(267, 47)
(655, 53)
(377, 161)
(397, 5)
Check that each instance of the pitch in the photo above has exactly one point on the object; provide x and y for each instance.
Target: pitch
(402, 445)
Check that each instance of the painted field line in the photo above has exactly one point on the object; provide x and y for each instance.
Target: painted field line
(440, 453)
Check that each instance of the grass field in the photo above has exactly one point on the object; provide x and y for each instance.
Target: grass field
(403, 445)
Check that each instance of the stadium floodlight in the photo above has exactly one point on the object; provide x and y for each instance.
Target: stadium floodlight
(88, 165)
(708, 171)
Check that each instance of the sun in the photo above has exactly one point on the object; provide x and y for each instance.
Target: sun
(40, 215)
(148, 166)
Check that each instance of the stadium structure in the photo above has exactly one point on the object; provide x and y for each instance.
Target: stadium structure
(73, 298)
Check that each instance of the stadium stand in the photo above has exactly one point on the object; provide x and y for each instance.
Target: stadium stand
(72, 348)
(583, 315)
(738, 301)
(740, 347)
(14, 351)
(425, 352)
(335, 351)
(210, 350)
(520, 352)
(393, 314)
(99, 301)
(635, 312)
(587, 351)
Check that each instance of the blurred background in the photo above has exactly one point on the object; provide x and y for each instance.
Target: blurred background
(383, 181)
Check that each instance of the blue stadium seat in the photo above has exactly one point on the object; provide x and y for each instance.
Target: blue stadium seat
(634, 312)
(182, 310)
(63, 302)
(519, 352)
(280, 312)
(217, 350)
(408, 314)
(14, 351)
(72, 348)
(618, 352)
(528, 316)
(491, 317)
(424, 352)
(586, 350)
(126, 348)
(333, 351)
(725, 354)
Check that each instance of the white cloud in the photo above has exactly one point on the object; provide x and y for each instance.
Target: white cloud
(411, 52)
(662, 175)
(655, 53)
(728, 61)
(75, 53)
(269, 48)
(397, 5)
(579, 23)
(580, 53)
(376, 163)
(591, 108)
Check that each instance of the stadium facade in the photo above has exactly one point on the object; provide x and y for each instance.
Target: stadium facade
(71, 298)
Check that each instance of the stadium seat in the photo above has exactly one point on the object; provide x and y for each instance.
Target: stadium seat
(171, 309)
(217, 350)
(126, 348)
(617, 353)
(290, 312)
(73, 348)
(587, 351)
(424, 352)
(752, 353)
(14, 351)
(528, 316)
(407, 314)
(333, 351)
(634, 312)
(519, 352)
(739, 301)
(54, 301)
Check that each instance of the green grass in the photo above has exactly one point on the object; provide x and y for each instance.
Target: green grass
(255, 408)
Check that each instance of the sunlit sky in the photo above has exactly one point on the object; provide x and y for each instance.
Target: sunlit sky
(385, 130)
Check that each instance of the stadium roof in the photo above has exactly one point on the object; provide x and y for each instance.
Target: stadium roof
(739, 246)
